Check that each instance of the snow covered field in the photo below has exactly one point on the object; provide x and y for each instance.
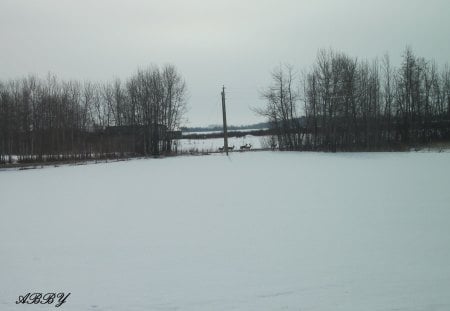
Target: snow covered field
(213, 144)
(292, 231)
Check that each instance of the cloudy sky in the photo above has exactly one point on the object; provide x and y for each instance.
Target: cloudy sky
(235, 43)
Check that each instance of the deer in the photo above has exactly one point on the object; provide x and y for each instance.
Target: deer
(221, 149)
(246, 147)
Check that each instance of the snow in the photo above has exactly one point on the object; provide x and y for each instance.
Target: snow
(229, 131)
(292, 231)
(213, 144)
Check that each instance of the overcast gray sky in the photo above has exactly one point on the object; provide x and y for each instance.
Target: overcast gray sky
(232, 42)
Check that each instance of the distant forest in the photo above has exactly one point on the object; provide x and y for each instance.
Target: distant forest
(218, 128)
(351, 104)
(340, 104)
(51, 120)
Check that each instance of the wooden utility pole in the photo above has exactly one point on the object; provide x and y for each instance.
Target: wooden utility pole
(224, 114)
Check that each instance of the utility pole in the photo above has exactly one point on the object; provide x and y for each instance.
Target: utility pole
(224, 114)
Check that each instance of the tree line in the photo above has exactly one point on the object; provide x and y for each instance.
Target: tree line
(50, 119)
(349, 104)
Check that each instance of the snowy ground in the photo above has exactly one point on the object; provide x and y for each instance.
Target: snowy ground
(213, 144)
(229, 130)
(292, 231)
